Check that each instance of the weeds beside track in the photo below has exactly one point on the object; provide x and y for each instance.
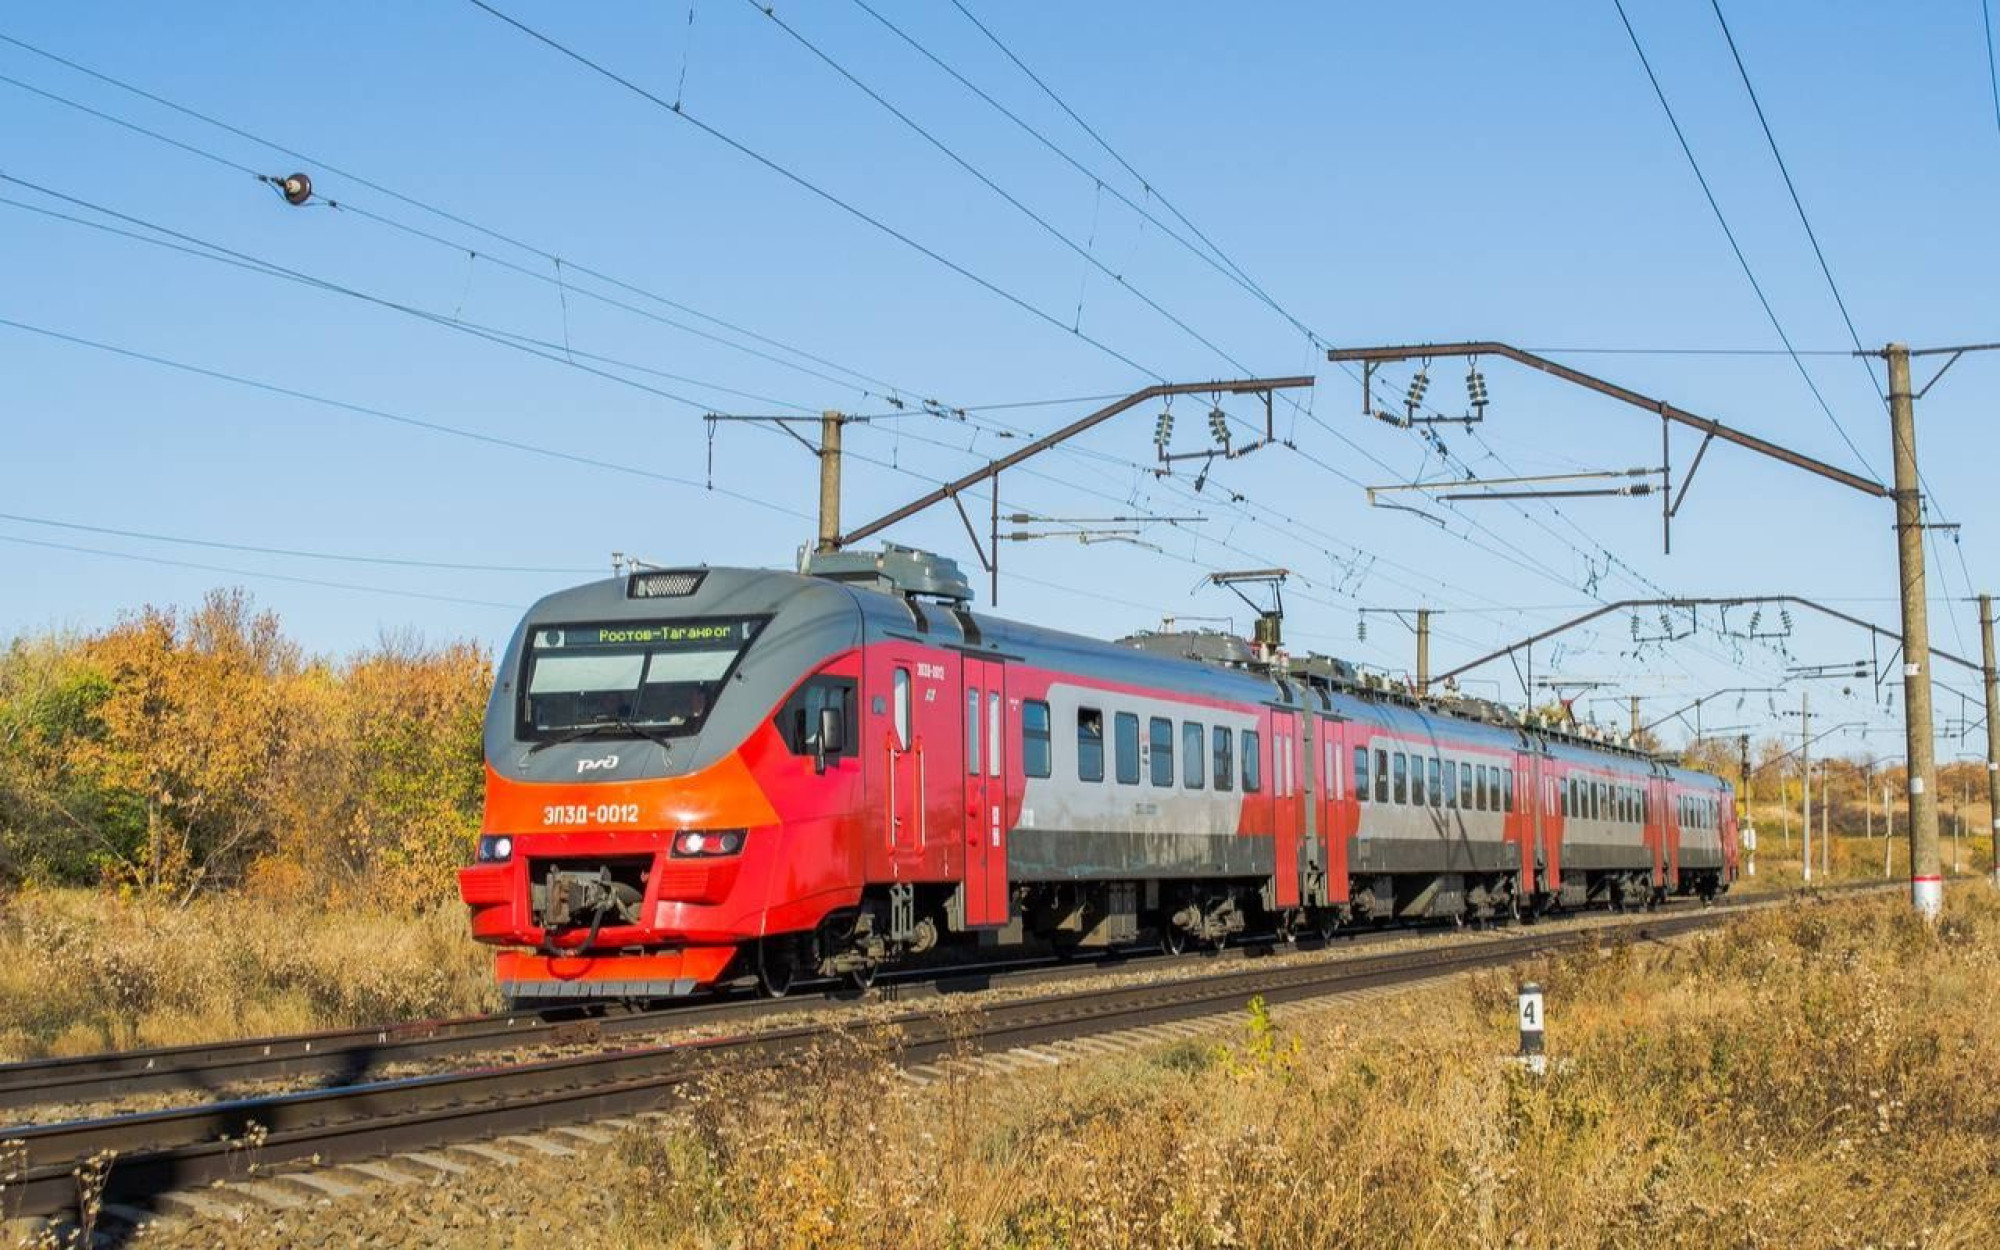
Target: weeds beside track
(183, 1148)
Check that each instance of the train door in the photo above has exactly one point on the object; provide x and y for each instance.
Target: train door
(1285, 802)
(982, 832)
(1730, 848)
(1312, 823)
(1554, 800)
(1523, 825)
(1667, 802)
(921, 758)
(1343, 814)
(1667, 860)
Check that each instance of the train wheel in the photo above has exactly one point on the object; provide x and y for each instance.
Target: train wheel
(863, 977)
(1173, 940)
(776, 969)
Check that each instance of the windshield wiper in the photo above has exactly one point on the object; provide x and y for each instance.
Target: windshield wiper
(596, 728)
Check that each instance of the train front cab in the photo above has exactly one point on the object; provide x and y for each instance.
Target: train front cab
(632, 854)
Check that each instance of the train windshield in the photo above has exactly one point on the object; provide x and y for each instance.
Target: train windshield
(628, 679)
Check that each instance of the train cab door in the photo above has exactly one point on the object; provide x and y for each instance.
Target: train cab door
(1285, 786)
(920, 793)
(983, 827)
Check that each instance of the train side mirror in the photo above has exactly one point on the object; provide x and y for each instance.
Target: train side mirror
(831, 738)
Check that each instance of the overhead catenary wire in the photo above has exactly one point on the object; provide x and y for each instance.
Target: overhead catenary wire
(868, 383)
(1715, 206)
(215, 252)
(1861, 354)
(889, 389)
(1799, 205)
(383, 414)
(1104, 186)
(290, 553)
(1084, 253)
(1992, 74)
(260, 576)
(814, 189)
(1151, 190)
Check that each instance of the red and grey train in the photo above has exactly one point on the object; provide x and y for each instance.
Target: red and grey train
(697, 776)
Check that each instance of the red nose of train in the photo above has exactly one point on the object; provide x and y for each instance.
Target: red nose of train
(654, 877)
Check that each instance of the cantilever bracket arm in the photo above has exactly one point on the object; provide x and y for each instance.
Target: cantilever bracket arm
(1692, 602)
(1687, 478)
(1241, 386)
(1369, 356)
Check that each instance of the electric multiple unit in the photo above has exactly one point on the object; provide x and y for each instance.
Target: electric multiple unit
(701, 775)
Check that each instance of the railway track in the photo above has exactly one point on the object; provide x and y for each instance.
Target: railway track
(352, 1056)
(184, 1148)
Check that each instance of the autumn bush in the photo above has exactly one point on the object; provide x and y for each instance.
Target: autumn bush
(1820, 1075)
(178, 751)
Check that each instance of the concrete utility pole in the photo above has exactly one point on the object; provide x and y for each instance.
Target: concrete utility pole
(1635, 716)
(1926, 868)
(1992, 730)
(1423, 650)
(1825, 820)
(829, 480)
(1805, 784)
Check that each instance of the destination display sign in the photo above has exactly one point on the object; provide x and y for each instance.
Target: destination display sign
(723, 635)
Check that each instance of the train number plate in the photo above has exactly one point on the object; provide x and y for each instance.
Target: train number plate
(591, 814)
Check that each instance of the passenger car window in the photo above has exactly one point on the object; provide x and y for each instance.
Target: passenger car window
(1361, 774)
(1225, 749)
(1161, 732)
(1194, 749)
(901, 682)
(972, 732)
(993, 733)
(1089, 744)
(1125, 733)
(1253, 764)
(1035, 738)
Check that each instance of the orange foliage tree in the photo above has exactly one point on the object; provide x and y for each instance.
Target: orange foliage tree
(178, 750)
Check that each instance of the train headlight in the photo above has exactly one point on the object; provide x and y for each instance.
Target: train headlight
(495, 850)
(703, 843)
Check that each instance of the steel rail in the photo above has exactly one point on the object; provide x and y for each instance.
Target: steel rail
(160, 1151)
(351, 1056)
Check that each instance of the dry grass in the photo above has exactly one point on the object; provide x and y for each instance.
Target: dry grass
(1857, 855)
(1820, 1076)
(87, 970)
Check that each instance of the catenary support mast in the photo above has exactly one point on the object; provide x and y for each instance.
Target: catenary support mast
(1926, 868)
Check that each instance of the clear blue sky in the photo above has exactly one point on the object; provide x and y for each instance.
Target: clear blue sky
(1385, 173)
